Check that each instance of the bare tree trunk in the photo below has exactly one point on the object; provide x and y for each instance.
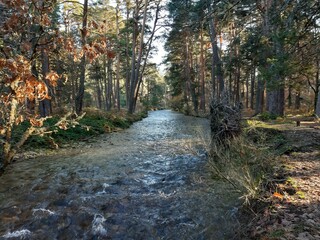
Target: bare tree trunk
(202, 73)
(237, 83)
(318, 105)
(127, 84)
(99, 91)
(253, 80)
(247, 90)
(7, 147)
(216, 63)
(290, 96)
(189, 73)
(260, 96)
(136, 63)
(105, 81)
(45, 104)
(80, 95)
(275, 98)
(110, 87)
(139, 68)
(317, 92)
(117, 87)
(297, 102)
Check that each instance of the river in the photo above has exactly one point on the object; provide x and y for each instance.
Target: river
(147, 182)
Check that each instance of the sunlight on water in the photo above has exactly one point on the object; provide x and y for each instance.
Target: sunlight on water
(105, 186)
(22, 234)
(37, 212)
(97, 225)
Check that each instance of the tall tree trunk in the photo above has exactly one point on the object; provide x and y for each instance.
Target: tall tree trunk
(148, 46)
(45, 104)
(318, 105)
(237, 82)
(317, 88)
(136, 63)
(110, 87)
(202, 73)
(80, 95)
(105, 80)
(190, 73)
(297, 102)
(216, 68)
(275, 84)
(247, 90)
(99, 91)
(253, 81)
(260, 96)
(127, 83)
(275, 99)
(7, 147)
(117, 87)
(290, 96)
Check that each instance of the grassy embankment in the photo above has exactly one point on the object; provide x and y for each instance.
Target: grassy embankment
(258, 164)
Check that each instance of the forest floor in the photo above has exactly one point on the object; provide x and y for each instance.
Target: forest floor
(291, 208)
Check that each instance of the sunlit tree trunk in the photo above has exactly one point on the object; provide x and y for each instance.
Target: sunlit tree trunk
(217, 74)
(136, 61)
(148, 47)
(117, 87)
(109, 87)
(127, 83)
(80, 94)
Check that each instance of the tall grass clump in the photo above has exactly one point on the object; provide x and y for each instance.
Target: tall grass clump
(246, 161)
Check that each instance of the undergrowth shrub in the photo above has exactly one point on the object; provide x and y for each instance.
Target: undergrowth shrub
(266, 116)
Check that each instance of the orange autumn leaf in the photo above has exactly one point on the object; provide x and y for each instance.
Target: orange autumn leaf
(277, 195)
(36, 122)
(94, 24)
(63, 126)
(42, 91)
(2, 63)
(53, 78)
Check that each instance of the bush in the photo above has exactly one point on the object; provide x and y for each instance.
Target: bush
(266, 116)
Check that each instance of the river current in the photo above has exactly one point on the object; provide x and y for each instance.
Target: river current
(147, 182)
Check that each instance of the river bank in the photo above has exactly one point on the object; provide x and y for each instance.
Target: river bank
(289, 206)
(80, 136)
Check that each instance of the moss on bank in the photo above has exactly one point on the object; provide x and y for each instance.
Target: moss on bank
(94, 122)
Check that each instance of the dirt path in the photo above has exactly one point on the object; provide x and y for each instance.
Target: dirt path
(295, 202)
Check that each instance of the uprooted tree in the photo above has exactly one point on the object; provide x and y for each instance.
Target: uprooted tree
(225, 119)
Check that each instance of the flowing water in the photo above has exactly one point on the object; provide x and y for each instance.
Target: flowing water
(147, 182)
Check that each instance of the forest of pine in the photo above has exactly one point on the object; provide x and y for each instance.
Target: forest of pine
(66, 64)
(61, 56)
